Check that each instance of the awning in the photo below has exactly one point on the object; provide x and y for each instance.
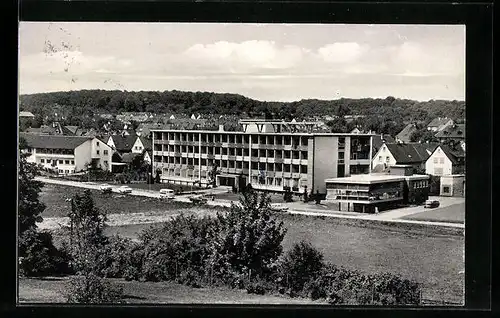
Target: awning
(228, 175)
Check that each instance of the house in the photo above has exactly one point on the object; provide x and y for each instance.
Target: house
(455, 132)
(143, 146)
(445, 161)
(375, 192)
(390, 154)
(67, 154)
(379, 140)
(405, 134)
(122, 143)
(452, 185)
(440, 123)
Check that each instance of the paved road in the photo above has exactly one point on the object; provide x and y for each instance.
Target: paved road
(294, 208)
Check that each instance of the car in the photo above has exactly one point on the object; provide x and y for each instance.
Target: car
(198, 199)
(431, 204)
(278, 208)
(166, 194)
(124, 189)
(106, 188)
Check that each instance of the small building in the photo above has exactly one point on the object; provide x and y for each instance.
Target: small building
(371, 193)
(390, 154)
(405, 134)
(440, 123)
(455, 132)
(445, 161)
(453, 185)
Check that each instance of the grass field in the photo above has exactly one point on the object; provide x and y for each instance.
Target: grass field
(454, 213)
(54, 197)
(52, 290)
(433, 256)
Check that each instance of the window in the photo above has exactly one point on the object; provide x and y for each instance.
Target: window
(48, 160)
(438, 171)
(387, 159)
(72, 162)
(97, 144)
(105, 152)
(66, 171)
(42, 160)
(446, 189)
(60, 162)
(435, 160)
(97, 151)
(66, 162)
(441, 160)
(379, 158)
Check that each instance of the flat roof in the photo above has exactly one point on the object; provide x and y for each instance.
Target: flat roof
(261, 133)
(374, 178)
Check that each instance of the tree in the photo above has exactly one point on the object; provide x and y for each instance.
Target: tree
(30, 207)
(212, 174)
(248, 237)
(88, 248)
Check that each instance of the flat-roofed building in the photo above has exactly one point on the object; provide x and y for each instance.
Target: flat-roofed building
(370, 193)
(270, 155)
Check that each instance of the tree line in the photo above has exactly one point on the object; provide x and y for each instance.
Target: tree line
(392, 112)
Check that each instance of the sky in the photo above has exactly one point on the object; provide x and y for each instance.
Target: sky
(267, 62)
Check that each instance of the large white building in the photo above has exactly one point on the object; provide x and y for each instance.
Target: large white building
(67, 154)
(271, 155)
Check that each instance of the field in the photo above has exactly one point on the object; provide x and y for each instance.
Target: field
(52, 290)
(432, 256)
(54, 197)
(453, 213)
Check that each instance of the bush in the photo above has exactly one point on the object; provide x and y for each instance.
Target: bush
(39, 256)
(301, 264)
(116, 257)
(91, 289)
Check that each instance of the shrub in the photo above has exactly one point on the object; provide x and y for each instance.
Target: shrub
(301, 264)
(91, 289)
(39, 256)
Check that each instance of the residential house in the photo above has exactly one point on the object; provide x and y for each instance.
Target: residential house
(143, 146)
(67, 154)
(122, 143)
(414, 154)
(440, 123)
(452, 185)
(379, 140)
(445, 161)
(455, 132)
(405, 134)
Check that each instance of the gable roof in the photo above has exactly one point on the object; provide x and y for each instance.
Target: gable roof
(53, 142)
(436, 122)
(146, 143)
(453, 131)
(412, 152)
(124, 143)
(379, 140)
(456, 156)
(405, 134)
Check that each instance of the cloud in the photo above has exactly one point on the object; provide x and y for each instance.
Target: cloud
(247, 54)
(341, 52)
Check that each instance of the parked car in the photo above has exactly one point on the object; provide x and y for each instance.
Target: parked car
(276, 207)
(198, 199)
(167, 194)
(124, 189)
(106, 188)
(431, 204)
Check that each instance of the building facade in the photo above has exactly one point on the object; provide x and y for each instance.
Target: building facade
(371, 193)
(444, 161)
(265, 154)
(67, 154)
(453, 185)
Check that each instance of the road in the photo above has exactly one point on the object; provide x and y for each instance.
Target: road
(392, 216)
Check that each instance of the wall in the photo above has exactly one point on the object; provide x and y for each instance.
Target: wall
(325, 161)
(103, 160)
(139, 145)
(82, 156)
(439, 155)
(456, 184)
(384, 152)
